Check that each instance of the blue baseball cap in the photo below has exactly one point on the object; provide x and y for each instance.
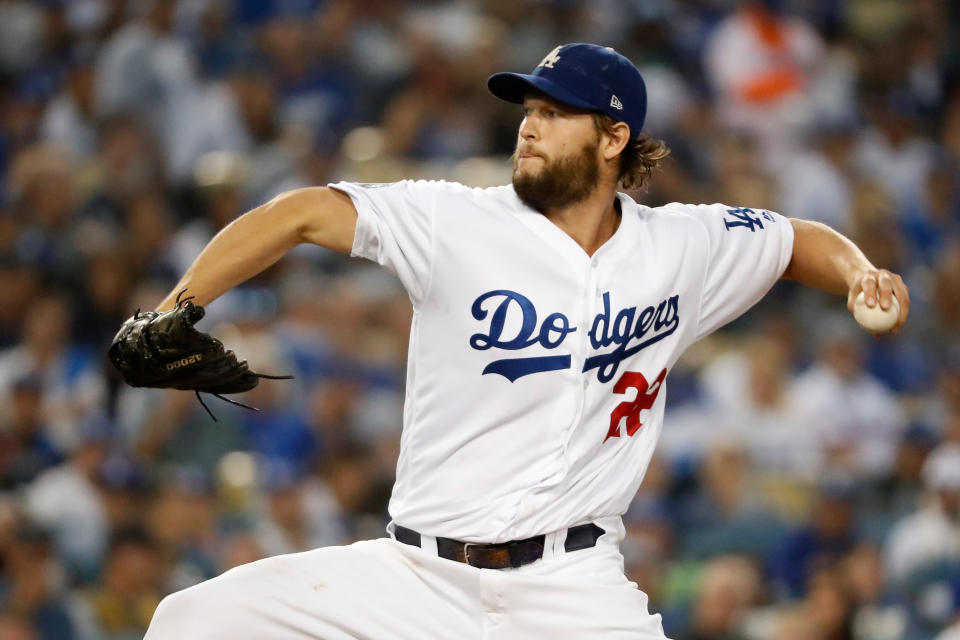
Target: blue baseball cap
(586, 76)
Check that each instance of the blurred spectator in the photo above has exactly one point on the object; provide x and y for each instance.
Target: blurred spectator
(126, 165)
(142, 68)
(749, 389)
(239, 548)
(72, 385)
(272, 158)
(857, 420)
(946, 294)
(125, 491)
(830, 605)
(149, 229)
(357, 490)
(22, 35)
(951, 633)
(892, 152)
(428, 121)
(896, 494)
(106, 289)
(121, 606)
(182, 520)
(929, 221)
(822, 541)
(69, 119)
(670, 99)
(300, 513)
(25, 450)
(279, 431)
(145, 70)
(740, 518)
(758, 61)
(729, 585)
(930, 536)
(863, 574)
(14, 627)
(875, 224)
(815, 184)
(216, 40)
(878, 612)
(168, 427)
(315, 93)
(41, 185)
(19, 286)
(32, 584)
(67, 500)
(796, 624)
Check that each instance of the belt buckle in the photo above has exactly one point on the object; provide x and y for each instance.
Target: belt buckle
(466, 552)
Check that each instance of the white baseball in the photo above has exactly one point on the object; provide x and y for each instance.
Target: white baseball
(875, 319)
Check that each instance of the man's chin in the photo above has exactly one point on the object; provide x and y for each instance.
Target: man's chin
(525, 172)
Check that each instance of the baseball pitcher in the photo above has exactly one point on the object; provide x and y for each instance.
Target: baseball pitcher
(548, 314)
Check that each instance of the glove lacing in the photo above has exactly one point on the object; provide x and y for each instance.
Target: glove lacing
(196, 392)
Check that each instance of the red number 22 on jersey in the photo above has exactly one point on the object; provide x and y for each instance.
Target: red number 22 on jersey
(646, 396)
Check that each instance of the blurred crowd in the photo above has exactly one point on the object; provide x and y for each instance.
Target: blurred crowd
(807, 485)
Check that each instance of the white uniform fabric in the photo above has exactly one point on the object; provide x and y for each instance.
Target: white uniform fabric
(526, 353)
(535, 394)
(383, 589)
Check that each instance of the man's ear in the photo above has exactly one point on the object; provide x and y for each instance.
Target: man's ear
(614, 140)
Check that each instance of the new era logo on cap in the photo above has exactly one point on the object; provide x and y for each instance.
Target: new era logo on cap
(581, 75)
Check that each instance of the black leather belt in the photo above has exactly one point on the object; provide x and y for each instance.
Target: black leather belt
(515, 553)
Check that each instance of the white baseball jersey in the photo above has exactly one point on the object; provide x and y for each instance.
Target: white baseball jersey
(536, 375)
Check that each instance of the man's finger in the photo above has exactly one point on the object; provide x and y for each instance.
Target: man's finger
(869, 284)
(885, 289)
(903, 298)
(852, 294)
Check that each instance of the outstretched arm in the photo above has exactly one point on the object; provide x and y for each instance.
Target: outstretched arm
(260, 237)
(825, 259)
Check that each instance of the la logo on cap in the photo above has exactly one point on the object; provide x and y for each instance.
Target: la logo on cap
(551, 59)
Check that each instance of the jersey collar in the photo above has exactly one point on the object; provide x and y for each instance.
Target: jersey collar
(562, 243)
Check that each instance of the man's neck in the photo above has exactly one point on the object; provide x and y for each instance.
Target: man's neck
(590, 222)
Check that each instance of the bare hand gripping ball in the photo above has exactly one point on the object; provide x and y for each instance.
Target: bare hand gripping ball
(875, 319)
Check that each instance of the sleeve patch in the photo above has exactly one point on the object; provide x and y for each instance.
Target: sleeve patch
(746, 217)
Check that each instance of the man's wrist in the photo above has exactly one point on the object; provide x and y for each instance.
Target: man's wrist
(854, 273)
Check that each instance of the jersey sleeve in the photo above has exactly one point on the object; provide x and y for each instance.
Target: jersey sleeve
(395, 228)
(747, 252)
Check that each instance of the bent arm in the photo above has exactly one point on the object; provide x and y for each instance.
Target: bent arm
(825, 259)
(257, 239)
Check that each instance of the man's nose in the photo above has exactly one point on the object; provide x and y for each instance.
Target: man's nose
(528, 129)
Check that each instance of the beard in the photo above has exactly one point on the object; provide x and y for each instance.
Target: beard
(559, 183)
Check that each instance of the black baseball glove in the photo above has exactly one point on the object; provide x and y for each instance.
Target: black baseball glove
(164, 350)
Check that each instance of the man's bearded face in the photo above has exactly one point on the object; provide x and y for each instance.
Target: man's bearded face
(554, 183)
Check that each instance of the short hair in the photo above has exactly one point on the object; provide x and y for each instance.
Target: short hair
(639, 158)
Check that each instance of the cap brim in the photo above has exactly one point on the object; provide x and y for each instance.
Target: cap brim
(512, 87)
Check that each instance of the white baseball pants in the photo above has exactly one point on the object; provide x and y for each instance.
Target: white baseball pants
(384, 589)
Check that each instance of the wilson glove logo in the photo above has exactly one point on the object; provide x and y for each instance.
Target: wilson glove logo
(182, 362)
(627, 332)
